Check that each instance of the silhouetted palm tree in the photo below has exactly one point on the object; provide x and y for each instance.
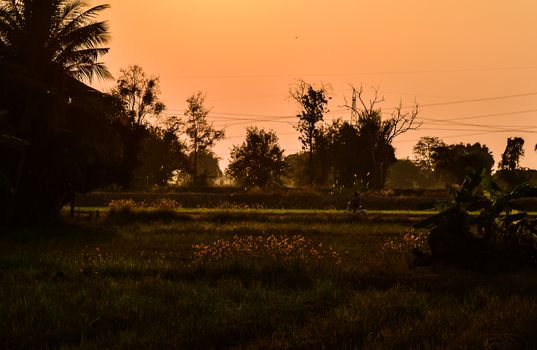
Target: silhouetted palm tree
(51, 37)
(48, 48)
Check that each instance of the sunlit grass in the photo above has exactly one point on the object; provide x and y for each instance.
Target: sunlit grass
(105, 209)
(155, 284)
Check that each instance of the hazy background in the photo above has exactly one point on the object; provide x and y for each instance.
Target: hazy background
(245, 54)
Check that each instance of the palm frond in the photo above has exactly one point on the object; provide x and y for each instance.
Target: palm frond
(75, 38)
(16, 9)
(86, 38)
(79, 19)
(89, 36)
(88, 54)
(69, 10)
(89, 70)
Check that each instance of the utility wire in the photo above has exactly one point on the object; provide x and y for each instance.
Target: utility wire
(483, 99)
(255, 76)
(492, 115)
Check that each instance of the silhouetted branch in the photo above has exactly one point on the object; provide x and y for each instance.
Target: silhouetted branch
(399, 122)
(402, 122)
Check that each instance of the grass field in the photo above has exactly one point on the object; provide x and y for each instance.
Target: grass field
(243, 279)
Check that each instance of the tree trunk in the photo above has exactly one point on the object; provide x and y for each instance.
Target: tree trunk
(311, 168)
(195, 166)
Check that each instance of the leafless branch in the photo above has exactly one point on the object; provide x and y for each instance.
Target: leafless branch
(367, 107)
(402, 121)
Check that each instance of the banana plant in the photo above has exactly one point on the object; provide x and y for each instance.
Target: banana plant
(480, 219)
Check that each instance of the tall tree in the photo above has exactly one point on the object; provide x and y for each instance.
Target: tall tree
(511, 156)
(140, 101)
(258, 161)
(424, 151)
(509, 174)
(139, 95)
(314, 105)
(44, 47)
(379, 134)
(201, 133)
(349, 161)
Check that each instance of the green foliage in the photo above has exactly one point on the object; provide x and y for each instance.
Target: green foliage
(139, 95)
(313, 103)
(150, 153)
(201, 133)
(453, 162)
(258, 161)
(511, 156)
(493, 236)
(508, 180)
(510, 175)
(404, 174)
(161, 154)
(351, 156)
(208, 168)
(348, 156)
(296, 166)
(424, 152)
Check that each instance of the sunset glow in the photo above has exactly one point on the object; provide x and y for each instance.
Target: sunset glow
(246, 54)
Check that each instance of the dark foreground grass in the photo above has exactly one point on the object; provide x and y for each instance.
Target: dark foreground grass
(133, 283)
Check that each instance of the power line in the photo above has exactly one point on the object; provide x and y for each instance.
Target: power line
(491, 130)
(403, 72)
(492, 115)
(218, 114)
(483, 99)
(456, 123)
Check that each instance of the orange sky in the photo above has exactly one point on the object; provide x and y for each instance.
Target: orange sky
(246, 53)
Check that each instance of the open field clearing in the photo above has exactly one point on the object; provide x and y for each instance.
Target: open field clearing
(202, 279)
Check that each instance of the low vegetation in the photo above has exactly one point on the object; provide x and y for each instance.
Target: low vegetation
(249, 279)
(494, 236)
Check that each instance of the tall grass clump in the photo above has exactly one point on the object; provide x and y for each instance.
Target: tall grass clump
(266, 253)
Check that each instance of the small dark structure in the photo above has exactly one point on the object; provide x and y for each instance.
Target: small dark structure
(354, 204)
